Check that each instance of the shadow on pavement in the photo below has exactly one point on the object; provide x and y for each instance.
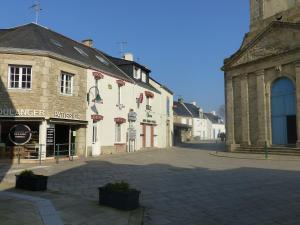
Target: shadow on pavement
(176, 195)
(210, 146)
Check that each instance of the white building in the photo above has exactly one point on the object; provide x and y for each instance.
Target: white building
(205, 126)
(134, 112)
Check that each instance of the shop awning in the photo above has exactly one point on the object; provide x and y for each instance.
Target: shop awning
(63, 121)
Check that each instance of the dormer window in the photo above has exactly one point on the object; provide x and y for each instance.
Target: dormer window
(137, 73)
(144, 77)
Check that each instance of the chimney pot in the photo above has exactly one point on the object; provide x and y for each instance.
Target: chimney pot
(128, 56)
(88, 42)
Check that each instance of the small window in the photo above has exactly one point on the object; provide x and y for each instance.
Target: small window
(137, 73)
(119, 95)
(144, 77)
(81, 51)
(19, 77)
(168, 106)
(118, 133)
(102, 60)
(94, 133)
(66, 83)
(57, 43)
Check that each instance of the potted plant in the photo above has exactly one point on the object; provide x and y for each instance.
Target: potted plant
(29, 181)
(119, 195)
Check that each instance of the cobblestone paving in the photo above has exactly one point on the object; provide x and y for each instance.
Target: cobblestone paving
(189, 186)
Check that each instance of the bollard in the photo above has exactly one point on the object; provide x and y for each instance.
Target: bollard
(19, 155)
(40, 154)
(57, 154)
(266, 151)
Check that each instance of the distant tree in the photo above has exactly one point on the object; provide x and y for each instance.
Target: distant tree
(221, 111)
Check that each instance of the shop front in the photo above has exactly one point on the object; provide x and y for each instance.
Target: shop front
(37, 137)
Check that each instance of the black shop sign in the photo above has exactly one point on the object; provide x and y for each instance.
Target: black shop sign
(50, 136)
(20, 134)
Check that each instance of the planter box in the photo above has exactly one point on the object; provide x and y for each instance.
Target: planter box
(32, 183)
(119, 200)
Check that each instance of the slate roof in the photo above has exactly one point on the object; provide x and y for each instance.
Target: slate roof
(213, 118)
(193, 109)
(119, 62)
(180, 110)
(36, 37)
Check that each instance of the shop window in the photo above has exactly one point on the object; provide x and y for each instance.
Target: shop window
(66, 83)
(20, 77)
(118, 133)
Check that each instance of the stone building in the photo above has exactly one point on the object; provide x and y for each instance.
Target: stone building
(262, 80)
(60, 97)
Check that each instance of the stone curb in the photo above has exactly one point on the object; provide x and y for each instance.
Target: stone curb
(217, 154)
(47, 211)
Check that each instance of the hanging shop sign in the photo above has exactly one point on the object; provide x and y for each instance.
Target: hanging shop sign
(20, 134)
(9, 112)
(50, 136)
(140, 98)
(132, 116)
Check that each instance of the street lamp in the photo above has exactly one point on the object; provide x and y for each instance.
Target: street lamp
(97, 98)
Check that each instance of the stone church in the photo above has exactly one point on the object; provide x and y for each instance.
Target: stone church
(262, 80)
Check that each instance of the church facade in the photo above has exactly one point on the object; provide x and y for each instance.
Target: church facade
(262, 80)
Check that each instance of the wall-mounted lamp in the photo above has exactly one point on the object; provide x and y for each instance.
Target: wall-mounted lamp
(97, 99)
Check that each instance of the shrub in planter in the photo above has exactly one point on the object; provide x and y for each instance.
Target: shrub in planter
(29, 181)
(119, 196)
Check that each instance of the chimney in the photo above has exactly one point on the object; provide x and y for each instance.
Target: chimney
(180, 99)
(128, 56)
(194, 103)
(88, 42)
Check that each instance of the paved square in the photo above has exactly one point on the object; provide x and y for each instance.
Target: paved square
(189, 186)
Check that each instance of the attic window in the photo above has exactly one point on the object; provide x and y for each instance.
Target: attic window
(81, 51)
(102, 60)
(56, 43)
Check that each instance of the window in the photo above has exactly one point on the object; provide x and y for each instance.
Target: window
(119, 95)
(66, 83)
(102, 60)
(137, 73)
(81, 51)
(144, 77)
(94, 133)
(20, 77)
(168, 106)
(148, 104)
(118, 133)
(55, 42)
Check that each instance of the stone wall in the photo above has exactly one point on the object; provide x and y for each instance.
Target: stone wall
(45, 92)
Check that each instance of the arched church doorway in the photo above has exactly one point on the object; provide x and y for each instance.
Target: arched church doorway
(283, 106)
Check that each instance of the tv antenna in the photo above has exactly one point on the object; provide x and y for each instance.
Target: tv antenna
(37, 9)
(122, 46)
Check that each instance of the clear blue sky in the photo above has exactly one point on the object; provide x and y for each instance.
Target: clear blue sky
(182, 42)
